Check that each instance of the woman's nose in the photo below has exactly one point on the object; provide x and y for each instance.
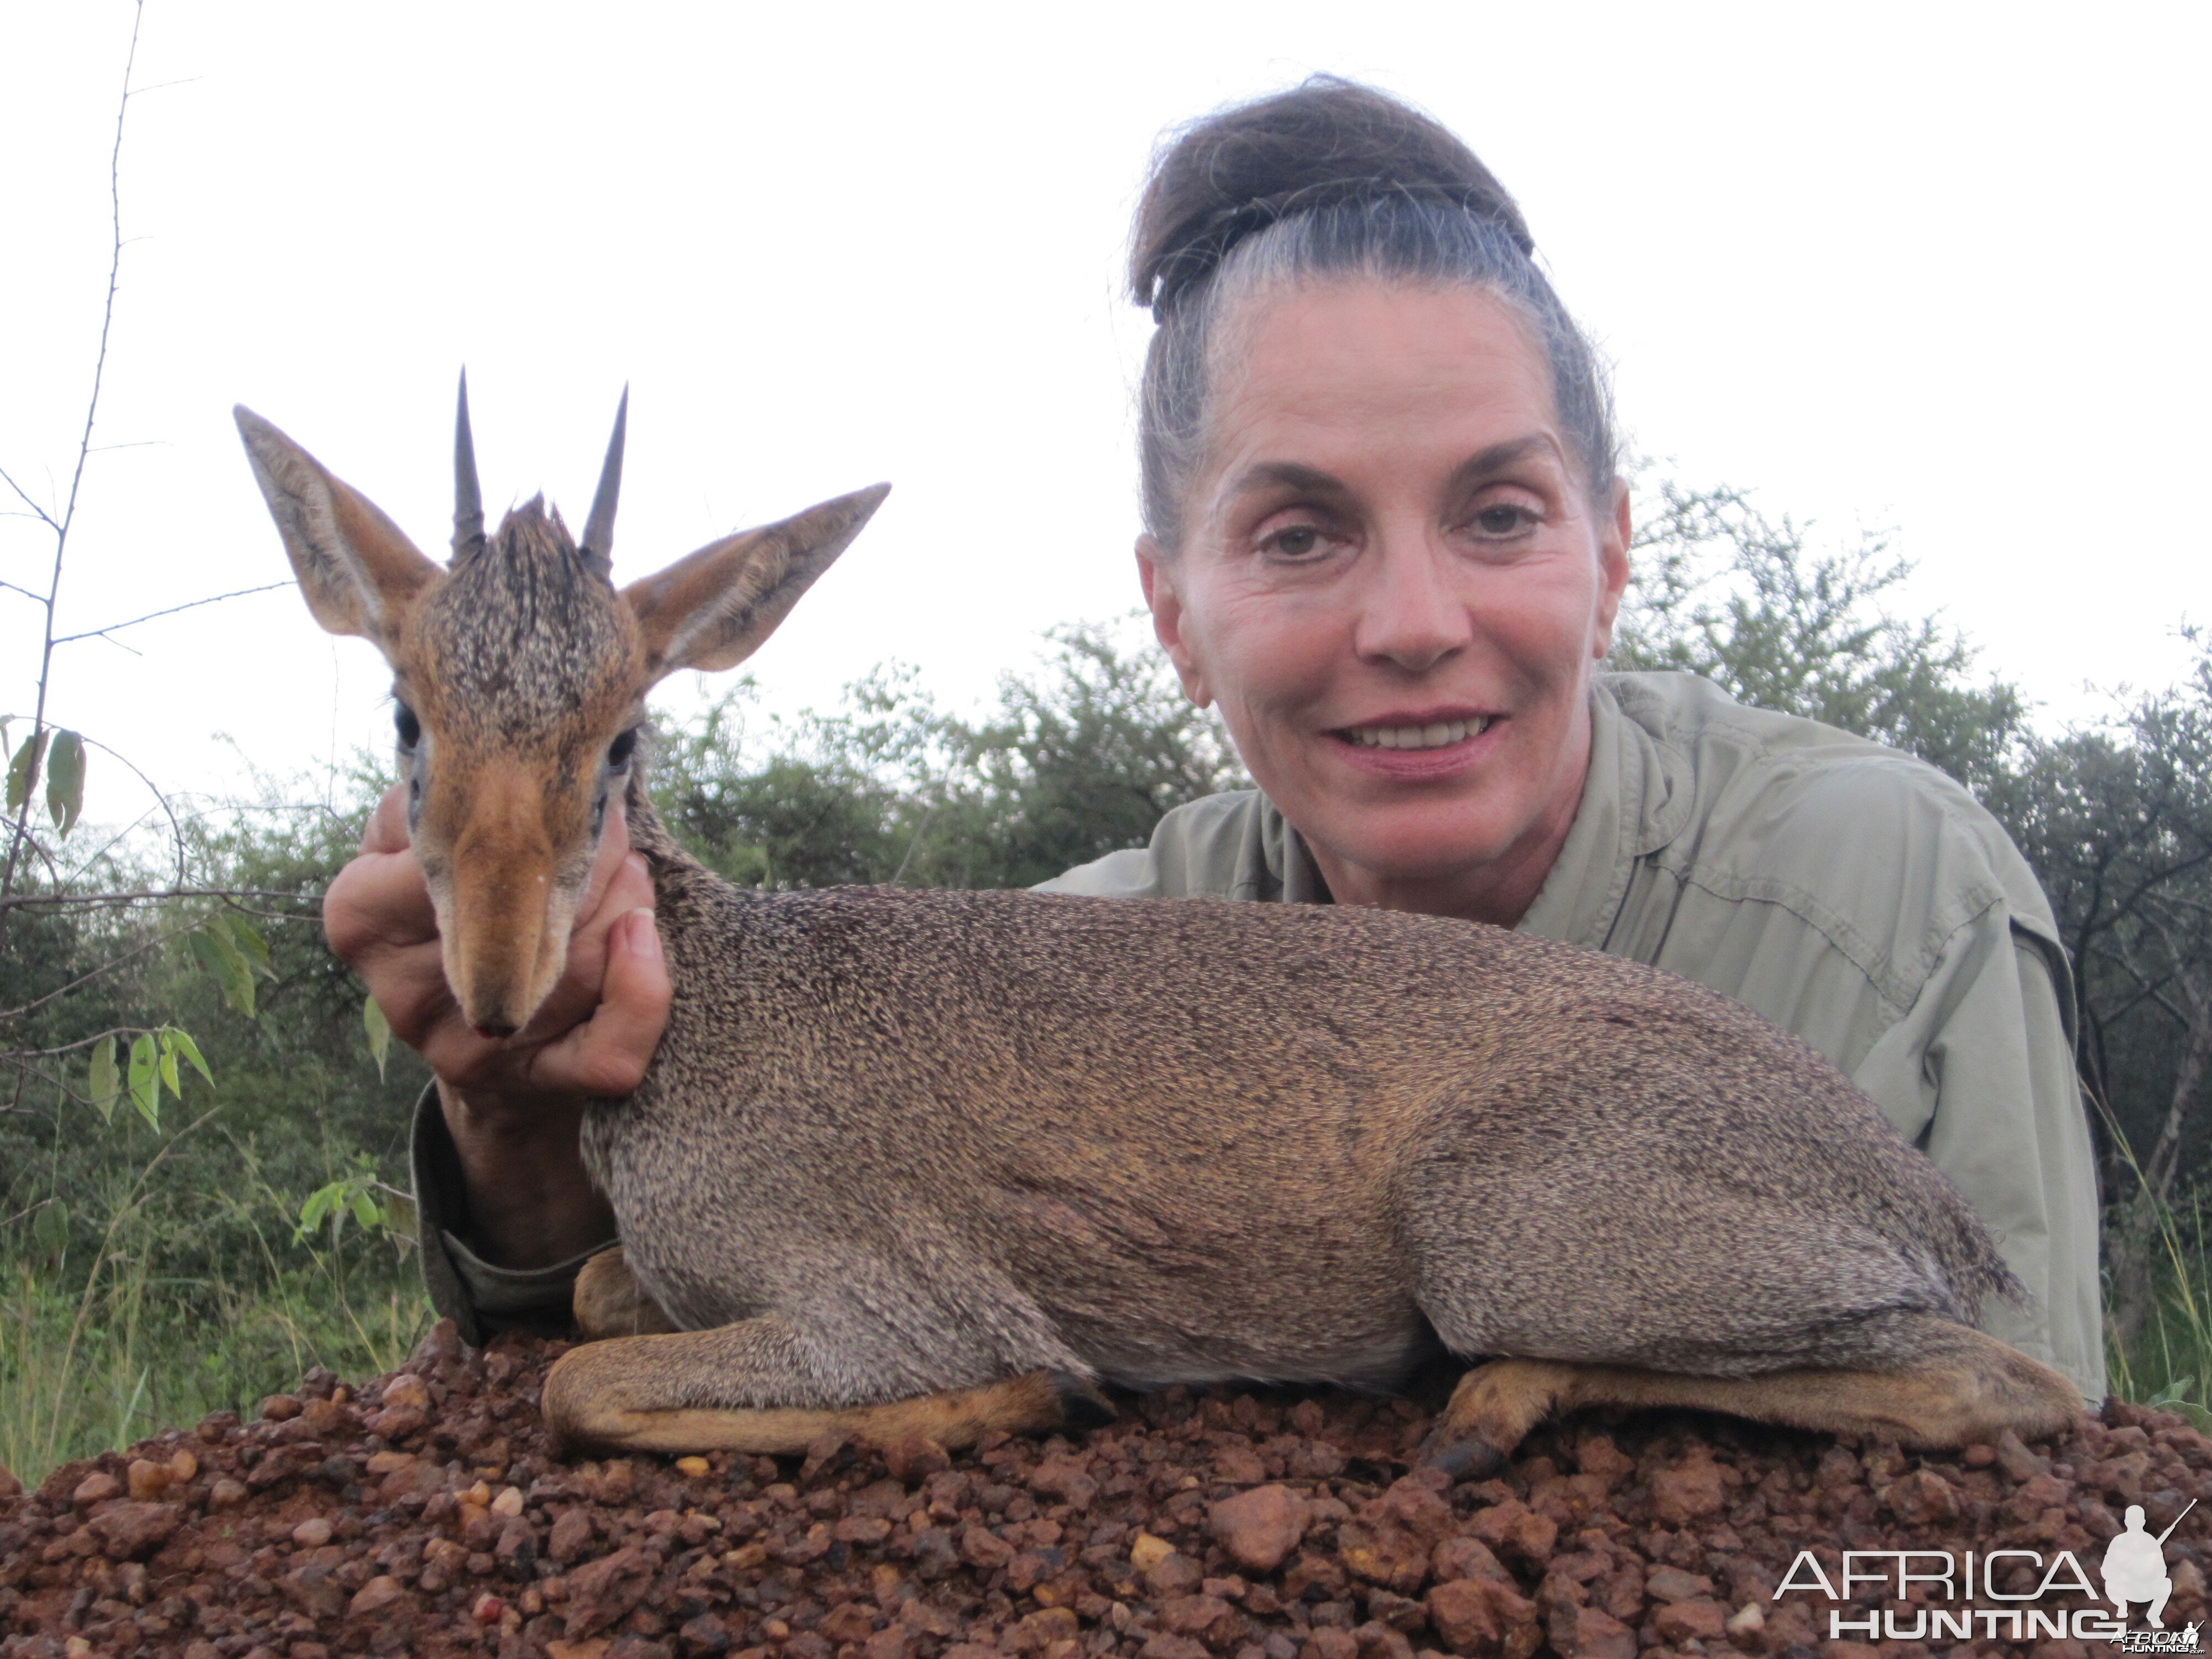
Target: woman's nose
(1409, 613)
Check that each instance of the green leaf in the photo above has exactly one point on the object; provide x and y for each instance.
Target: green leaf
(320, 1204)
(168, 1067)
(182, 1041)
(66, 781)
(379, 1033)
(23, 771)
(212, 945)
(50, 1227)
(364, 1211)
(249, 943)
(105, 1085)
(145, 1083)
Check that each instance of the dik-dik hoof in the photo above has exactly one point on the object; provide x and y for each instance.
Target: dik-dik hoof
(1461, 1458)
(1083, 1407)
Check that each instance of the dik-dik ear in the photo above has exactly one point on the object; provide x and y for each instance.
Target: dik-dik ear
(358, 571)
(715, 608)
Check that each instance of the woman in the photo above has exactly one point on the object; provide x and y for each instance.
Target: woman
(1385, 535)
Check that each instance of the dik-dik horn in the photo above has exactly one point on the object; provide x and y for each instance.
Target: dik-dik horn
(931, 1162)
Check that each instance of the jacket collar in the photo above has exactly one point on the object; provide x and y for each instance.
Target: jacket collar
(1636, 799)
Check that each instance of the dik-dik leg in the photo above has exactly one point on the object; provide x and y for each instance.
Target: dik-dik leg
(609, 1301)
(641, 1393)
(1965, 1387)
(637, 1385)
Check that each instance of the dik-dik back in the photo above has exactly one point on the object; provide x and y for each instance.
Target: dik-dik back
(949, 1161)
(1211, 1139)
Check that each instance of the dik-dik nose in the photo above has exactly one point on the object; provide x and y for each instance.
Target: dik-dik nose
(507, 925)
(494, 955)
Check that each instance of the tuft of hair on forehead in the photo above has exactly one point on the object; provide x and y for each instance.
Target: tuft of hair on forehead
(535, 534)
(526, 627)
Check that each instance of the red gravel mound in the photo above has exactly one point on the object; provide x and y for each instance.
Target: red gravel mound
(424, 1514)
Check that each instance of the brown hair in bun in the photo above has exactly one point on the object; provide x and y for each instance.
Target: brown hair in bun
(1329, 179)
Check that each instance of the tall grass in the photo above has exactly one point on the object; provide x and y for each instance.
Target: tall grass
(100, 1351)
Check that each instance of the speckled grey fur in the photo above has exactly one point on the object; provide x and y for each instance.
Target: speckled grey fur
(943, 1137)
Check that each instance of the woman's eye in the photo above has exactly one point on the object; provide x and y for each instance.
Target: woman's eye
(411, 729)
(1299, 541)
(1503, 520)
(618, 751)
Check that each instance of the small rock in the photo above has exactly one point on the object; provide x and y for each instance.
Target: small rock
(571, 1536)
(1065, 1479)
(602, 1591)
(280, 1408)
(131, 1531)
(1701, 1620)
(695, 1467)
(516, 1552)
(442, 1342)
(1257, 1527)
(508, 1503)
(1666, 1584)
(404, 1391)
(2020, 1464)
(914, 1459)
(226, 1493)
(1513, 1529)
(311, 1533)
(94, 1488)
(1690, 1491)
(148, 1481)
(1148, 1551)
(1921, 1498)
(377, 1594)
(1748, 1620)
(1173, 1574)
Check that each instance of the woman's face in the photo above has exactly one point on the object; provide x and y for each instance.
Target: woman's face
(1393, 584)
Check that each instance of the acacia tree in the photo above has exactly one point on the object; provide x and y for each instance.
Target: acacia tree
(1081, 755)
(1720, 589)
(2118, 821)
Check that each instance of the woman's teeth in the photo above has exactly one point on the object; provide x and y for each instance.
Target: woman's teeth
(1434, 736)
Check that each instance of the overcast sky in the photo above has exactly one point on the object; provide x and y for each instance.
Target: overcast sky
(1935, 268)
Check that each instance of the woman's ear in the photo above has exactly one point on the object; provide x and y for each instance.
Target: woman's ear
(1158, 578)
(1615, 534)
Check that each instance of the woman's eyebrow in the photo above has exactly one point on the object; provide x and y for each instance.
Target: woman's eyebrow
(1285, 474)
(1499, 456)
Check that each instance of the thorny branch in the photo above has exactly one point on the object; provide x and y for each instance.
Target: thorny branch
(171, 610)
(61, 528)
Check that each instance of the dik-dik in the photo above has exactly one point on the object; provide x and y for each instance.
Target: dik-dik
(938, 1162)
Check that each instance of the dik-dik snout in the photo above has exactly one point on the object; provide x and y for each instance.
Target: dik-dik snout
(519, 674)
(506, 849)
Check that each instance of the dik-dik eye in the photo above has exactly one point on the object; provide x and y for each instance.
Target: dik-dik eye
(411, 729)
(618, 751)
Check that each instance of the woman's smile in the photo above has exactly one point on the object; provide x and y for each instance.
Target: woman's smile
(1420, 746)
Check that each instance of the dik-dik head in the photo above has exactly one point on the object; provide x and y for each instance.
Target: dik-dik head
(520, 672)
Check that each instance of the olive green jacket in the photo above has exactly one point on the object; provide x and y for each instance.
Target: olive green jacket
(1849, 893)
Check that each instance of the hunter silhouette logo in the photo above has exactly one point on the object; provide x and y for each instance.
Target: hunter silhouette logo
(2135, 1567)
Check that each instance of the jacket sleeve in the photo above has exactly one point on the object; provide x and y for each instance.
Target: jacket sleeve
(1981, 1060)
(481, 1298)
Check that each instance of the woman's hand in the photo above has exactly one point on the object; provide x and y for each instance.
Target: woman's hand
(513, 1105)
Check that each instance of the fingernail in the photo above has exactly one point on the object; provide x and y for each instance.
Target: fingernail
(644, 936)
